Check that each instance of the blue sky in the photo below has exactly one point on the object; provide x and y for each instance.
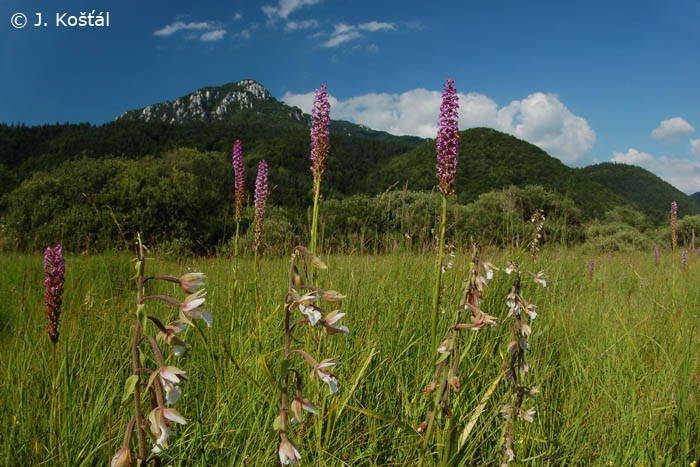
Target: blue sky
(586, 81)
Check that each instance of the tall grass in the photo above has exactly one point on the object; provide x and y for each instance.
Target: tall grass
(615, 358)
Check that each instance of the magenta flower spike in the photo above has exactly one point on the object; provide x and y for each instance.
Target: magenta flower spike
(447, 140)
(260, 199)
(656, 255)
(239, 178)
(320, 130)
(54, 271)
(674, 218)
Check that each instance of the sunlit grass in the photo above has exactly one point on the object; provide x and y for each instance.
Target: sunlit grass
(616, 360)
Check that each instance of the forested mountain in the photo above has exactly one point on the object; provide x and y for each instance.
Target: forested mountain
(99, 179)
(491, 160)
(644, 190)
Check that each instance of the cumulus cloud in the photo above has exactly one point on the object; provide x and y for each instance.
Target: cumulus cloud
(684, 174)
(285, 7)
(212, 36)
(695, 147)
(297, 25)
(171, 29)
(347, 32)
(238, 16)
(540, 118)
(669, 131)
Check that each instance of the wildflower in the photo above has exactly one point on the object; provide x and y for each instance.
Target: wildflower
(331, 327)
(447, 140)
(656, 255)
(190, 308)
(591, 270)
(539, 278)
(192, 282)
(54, 271)
(332, 296)
(160, 427)
(167, 333)
(511, 268)
(328, 378)
(488, 268)
(530, 310)
(299, 404)
(260, 199)
(684, 260)
(320, 130)
(239, 178)
(445, 347)
(674, 218)
(288, 453)
(122, 458)
(304, 303)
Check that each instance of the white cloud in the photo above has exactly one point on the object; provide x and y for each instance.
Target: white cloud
(171, 29)
(669, 131)
(212, 36)
(684, 174)
(337, 39)
(695, 147)
(347, 32)
(376, 26)
(541, 119)
(238, 16)
(633, 157)
(297, 25)
(285, 7)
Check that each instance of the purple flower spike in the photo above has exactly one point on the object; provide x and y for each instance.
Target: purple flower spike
(320, 130)
(591, 270)
(239, 178)
(656, 255)
(674, 218)
(447, 140)
(54, 271)
(260, 199)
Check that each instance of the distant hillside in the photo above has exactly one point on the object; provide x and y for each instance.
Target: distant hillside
(362, 160)
(642, 189)
(696, 196)
(488, 160)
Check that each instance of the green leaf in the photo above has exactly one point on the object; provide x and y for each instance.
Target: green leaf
(284, 369)
(385, 418)
(129, 386)
(266, 369)
(137, 266)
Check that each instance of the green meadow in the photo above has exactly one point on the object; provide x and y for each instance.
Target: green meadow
(615, 358)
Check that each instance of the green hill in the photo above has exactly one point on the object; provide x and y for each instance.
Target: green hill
(642, 189)
(488, 160)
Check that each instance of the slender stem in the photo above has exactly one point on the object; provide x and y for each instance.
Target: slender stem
(135, 361)
(156, 351)
(164, 278)
(314, 219)
(232, 321)
(137, 391)
(438, 277)
(258, 304)
(439, 394)
(54, 388)
(163, 298)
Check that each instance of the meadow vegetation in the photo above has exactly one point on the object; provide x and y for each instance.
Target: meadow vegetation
(614, 358)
